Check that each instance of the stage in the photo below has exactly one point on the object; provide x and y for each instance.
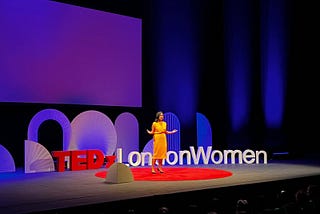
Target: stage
(59, 192)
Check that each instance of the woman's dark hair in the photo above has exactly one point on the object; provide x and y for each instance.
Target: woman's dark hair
(158, 115)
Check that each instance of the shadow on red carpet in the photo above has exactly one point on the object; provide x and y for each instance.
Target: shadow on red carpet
(174, 174)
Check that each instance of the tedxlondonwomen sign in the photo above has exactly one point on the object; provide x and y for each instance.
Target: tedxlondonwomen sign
(94, 159)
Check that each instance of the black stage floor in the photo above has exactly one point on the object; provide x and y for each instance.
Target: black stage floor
(58, 192)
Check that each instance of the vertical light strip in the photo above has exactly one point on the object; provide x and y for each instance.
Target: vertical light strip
(177, 60)
(273, 60)
(238, 61)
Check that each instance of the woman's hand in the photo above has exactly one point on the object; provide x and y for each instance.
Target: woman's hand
(149, 132)
(173, 131)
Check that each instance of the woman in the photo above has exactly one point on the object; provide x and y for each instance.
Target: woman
(159, 132)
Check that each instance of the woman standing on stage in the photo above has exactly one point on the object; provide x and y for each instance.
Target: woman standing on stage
(159, 132)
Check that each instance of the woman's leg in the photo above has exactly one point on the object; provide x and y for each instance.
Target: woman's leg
(160, 165)
(153, 165)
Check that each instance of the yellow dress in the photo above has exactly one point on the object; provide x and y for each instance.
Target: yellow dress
(159, 140)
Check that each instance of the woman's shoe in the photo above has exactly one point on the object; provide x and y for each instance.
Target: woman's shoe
(153, 171)
(160, 170)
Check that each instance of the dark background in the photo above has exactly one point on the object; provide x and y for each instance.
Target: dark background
(299, 131)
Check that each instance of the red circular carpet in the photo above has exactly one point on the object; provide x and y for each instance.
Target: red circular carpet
(174, 174)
